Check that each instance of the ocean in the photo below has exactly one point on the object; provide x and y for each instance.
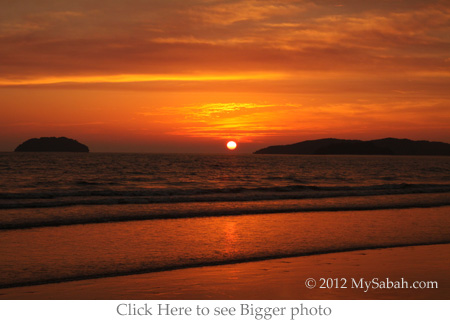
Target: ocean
(75, 216)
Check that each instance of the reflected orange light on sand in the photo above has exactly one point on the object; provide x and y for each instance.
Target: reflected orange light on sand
(231, 239)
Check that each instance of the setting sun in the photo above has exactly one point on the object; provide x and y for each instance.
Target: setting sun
(231, 145)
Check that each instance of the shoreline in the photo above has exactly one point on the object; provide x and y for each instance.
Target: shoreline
(272, 279)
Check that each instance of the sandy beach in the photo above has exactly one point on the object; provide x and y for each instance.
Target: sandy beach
(279, 279)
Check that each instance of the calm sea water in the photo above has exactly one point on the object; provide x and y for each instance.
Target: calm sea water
(61, 179)
(67, 216)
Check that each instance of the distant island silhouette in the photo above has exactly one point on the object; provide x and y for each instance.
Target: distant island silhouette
(388, 146)
(51, 144)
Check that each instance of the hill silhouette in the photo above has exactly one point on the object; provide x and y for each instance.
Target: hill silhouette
(51, 144)
(388, 146)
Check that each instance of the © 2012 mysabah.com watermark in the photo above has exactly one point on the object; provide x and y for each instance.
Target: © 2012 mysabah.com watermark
(368, 284)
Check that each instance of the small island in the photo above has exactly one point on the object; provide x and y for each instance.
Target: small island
(51, 144)
(388, 146)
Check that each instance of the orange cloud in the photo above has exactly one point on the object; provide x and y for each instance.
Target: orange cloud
(202, 70)
(232, 12)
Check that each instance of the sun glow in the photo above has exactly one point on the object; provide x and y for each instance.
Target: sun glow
(231, 145)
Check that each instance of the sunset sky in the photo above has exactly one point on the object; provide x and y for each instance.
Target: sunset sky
(188, 75)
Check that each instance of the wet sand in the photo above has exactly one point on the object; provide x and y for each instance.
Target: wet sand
(278, 279)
